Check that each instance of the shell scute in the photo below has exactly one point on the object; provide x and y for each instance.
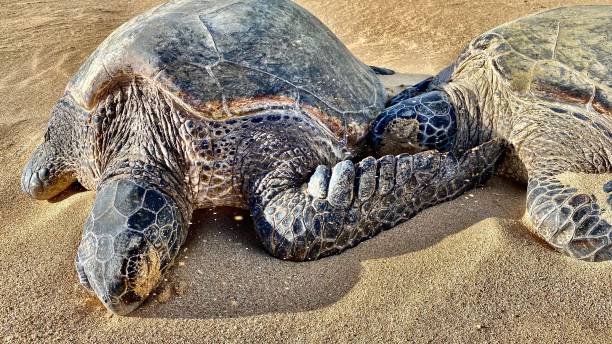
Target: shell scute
(554, 81)
(516, 69)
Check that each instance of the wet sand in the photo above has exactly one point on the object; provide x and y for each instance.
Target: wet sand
(464, 271)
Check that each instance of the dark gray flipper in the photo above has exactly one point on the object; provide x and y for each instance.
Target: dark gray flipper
(607, 188)
(382, 70)
(341, 206)
(51, 168)
(131, 237)
(571, 221)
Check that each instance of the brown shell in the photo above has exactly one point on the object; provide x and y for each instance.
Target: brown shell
(561, 55)
(227, 58)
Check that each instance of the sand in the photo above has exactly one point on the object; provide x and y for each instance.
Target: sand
(464, 271)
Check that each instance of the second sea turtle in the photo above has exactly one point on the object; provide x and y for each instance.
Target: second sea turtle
(542, 84)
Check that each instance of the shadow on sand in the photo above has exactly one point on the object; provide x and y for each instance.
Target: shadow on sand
(222, 271)
(73, 189)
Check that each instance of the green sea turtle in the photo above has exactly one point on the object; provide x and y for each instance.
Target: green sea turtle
(541, 83)
(251, 104)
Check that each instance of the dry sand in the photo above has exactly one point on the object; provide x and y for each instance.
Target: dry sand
(464, 271)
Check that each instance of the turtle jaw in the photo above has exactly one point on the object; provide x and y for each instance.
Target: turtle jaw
(122, 309)
(43, 178)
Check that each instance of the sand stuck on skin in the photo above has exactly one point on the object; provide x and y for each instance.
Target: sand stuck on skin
(465, 271)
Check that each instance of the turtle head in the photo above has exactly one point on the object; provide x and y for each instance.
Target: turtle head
(132, 235)
(426, 121)
(51, 168)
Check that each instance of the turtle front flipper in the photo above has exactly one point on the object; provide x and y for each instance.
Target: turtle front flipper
(45, 175)
(51, 167)
(573, 212)
(132, 235)
(341, 206)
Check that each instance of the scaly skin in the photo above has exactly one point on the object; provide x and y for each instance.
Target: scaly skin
(188, 106)
(415, 121)
(549, 140)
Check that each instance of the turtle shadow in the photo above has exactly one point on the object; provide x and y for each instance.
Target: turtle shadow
(223, 271)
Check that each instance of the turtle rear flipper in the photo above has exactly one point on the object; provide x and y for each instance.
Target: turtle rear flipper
(341, 206)
(573, 213)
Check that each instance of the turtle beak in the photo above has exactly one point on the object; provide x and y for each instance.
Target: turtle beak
(121, 309)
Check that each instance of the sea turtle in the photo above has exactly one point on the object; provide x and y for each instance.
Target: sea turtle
(251, 104)
(542, 84)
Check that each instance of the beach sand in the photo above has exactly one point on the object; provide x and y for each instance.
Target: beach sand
(464, 271)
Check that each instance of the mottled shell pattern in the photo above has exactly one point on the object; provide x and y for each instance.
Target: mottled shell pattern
(539, 58)
(219, 66)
